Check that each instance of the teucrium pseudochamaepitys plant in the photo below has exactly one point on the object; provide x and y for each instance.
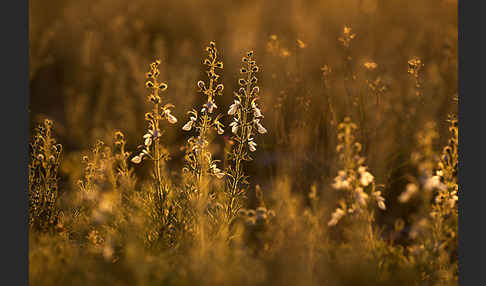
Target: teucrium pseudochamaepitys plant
(246, 124)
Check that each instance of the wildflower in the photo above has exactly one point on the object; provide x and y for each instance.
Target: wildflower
(251, 144)
(346, 37)
(433, 183)
(366, 177)
(341, 182)
(148, 140)
(361, 196)
(414, 65)
(188, 125)
(260, 127)
(336, 216)
(217, 172)
(370, 65)
(137, 159)
(220, 130)
(234, 126)
(210, 106)
(171, 118)
(301, 44)
(439, 173)
(379, 199)
(256, 111)
(410, 190)
(234, 107)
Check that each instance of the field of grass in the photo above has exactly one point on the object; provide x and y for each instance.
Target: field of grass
(244, 142)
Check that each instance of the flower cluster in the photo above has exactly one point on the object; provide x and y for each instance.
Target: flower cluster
(274, 47)
(247, 115)
(213, 88)
(158, 113)
(354, 178)
(45, 158)
(246, 124)
(198, 158)
(415, 67)
(347, 36)
(446, 175)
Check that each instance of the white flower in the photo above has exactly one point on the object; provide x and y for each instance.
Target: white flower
(171, 118)
(217, 172)
(361, 196)
(366, 177)
(234, 126)
(148, 138)
(380, 200)
(188, 125)
(252, 145)
(234, 107)
(148, 141)
(260, 127)
(220, 130)
(210, 106)
(341, 181)
(433, 183)
(439, 173)
(336, 216)
(410, 190)
(256, 110)
(137, 159)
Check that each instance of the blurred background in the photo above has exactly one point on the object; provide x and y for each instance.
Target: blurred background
(88, 61)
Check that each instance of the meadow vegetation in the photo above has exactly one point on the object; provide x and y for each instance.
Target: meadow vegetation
(243, 143)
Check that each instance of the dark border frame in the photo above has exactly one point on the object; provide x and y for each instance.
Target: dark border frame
(471, 152)
(15, 119)
(15, 130)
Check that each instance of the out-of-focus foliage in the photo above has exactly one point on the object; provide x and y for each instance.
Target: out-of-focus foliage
(326, 156)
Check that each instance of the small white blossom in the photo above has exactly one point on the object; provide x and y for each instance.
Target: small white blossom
(220, 130)
(260, 127)
(366, 177)
(148, 141)
(234, 126)
(379, 200)
(439, 173)
(341, 182)
(234, 107)
(256, 111)
(433, 183)
(171, 118)
(210, 106)
(361, 196)
(188, 125)
(410, 190)
(217, 172)
(336, 216)
(137, 159)
(252, 145)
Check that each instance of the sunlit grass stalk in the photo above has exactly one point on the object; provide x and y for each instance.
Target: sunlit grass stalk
(246, 124)
(199, 160)
(152, 147)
